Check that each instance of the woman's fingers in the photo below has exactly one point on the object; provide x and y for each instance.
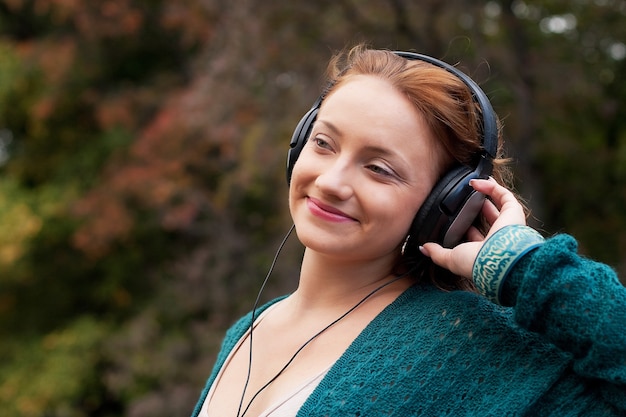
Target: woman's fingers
(504, 209)
(458, 260)
(474, 235)
(500, 209)
(490, 211)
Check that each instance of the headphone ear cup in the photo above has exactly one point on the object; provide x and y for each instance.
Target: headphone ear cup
(300, 137)
(448, 211)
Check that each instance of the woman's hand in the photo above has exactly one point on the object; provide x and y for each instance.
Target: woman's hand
(503, 211)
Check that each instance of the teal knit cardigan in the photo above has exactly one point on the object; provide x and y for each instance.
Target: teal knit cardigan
(560, 351)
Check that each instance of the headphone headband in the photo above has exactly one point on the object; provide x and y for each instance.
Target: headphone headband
(489, 119)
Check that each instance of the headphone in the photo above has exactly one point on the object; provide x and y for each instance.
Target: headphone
(452, 205)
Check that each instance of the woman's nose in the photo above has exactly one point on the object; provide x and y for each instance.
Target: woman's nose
(336, 179)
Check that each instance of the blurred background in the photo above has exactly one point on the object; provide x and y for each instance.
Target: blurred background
(142, 155)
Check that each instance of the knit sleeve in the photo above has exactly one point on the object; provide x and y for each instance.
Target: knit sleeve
(580, 306)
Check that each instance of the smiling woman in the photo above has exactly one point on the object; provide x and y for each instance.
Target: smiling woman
(417, 295)
(360, 161)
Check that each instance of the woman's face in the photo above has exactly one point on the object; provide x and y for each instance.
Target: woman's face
(363, 174)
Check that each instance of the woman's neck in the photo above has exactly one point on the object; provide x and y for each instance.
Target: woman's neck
(328, 284)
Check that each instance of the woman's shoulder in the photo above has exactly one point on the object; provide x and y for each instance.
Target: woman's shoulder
(424, 311)
(428, 300)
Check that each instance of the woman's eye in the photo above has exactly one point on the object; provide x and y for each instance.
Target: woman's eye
(321, 143)
(376, 169)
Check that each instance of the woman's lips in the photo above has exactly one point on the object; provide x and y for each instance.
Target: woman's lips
(327, 212)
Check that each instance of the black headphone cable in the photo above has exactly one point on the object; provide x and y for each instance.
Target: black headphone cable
(293, 357)
(254, 308)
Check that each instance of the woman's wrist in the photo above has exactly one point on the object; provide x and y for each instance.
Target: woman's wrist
(499, 254)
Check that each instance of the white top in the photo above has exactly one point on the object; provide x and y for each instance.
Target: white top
(287, 406)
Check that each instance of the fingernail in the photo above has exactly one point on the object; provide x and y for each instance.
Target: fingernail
(424, 251)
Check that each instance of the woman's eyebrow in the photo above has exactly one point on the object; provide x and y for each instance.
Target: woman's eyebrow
(331, 126)
(379, 150)
(374, 149)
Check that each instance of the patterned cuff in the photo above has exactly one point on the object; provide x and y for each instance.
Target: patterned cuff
(498, 256)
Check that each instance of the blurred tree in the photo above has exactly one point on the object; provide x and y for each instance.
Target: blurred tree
(142, 147)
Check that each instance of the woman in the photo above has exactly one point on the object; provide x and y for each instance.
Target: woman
(383, 323)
